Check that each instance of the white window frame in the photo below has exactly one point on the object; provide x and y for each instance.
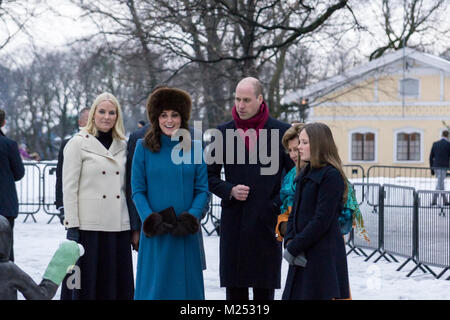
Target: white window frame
(408, 130)
(362, 130)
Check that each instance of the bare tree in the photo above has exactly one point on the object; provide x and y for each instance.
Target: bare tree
(224, 40)
(417, 19)
(15, 16)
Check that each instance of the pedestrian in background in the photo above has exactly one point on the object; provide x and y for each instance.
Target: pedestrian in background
(82, 120)
(83, 115)
(11, 170)
(440, 163)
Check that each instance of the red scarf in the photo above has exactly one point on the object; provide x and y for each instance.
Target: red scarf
(257, 122)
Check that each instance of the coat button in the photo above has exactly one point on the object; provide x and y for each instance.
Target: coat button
(87, 136)
(117, 172)
(104, 172)
(118, 197)
(104, 197)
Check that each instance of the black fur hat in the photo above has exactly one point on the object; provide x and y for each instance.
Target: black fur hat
(169, 99)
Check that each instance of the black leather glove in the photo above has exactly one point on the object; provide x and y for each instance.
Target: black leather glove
(186, 224)
(61, 216)
(432, 172)
(159, 223)
(73, 234)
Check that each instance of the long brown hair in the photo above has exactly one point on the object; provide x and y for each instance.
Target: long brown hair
(323, 149)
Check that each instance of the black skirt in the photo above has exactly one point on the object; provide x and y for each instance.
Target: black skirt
(105, 270)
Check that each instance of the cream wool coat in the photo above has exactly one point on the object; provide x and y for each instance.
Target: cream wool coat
(94, 184)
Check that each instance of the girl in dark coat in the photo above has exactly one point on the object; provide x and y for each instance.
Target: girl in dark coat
(313, 228)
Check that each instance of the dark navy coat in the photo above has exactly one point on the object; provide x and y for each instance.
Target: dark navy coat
(313, 228)
(58, 188)
(440, 154)
(250, 255)
(135, 221)
(11, 170)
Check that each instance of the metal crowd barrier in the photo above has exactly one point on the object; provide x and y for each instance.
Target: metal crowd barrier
(433, 231)
(211, 223)
(29, 191)
(354, 172)
(368, 196)
(37, 189)
(419, 178)
(406, 225)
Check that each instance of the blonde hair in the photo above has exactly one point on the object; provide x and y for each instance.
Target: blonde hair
(118, 131)
(289, 135)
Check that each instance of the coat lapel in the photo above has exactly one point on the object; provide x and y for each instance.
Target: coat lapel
(116, 147)
(91, 144)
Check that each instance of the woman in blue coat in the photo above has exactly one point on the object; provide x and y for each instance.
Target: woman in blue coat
(170, 189)
(313, 227)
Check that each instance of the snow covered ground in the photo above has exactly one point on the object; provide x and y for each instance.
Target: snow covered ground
(35, 244)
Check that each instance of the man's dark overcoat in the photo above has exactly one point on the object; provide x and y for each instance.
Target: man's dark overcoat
(11, 170)
(250, 255)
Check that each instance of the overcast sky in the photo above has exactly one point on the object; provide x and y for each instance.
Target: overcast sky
(51, 27)
(55, 27)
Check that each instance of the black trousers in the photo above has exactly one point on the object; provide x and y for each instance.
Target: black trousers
(242, 294)
(11, 223)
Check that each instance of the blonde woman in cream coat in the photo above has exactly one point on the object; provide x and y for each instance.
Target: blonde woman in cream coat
(96, 213)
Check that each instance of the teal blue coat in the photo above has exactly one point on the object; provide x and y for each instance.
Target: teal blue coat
(168, 267)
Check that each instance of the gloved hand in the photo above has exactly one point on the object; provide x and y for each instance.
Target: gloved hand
(73, 234)
(282, 228)
(159, 223)
(299, 260)
(61, 216)
(432, 172)
(186, 224)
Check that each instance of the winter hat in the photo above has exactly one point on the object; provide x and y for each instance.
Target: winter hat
(169, 99)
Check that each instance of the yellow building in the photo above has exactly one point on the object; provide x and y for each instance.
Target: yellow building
(386, 112)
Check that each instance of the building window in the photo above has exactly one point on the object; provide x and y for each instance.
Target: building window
(408, 146)
(363, 146)
(409, 87)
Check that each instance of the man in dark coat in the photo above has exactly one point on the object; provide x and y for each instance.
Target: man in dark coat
(83, 115)
(11, 170)
(82, 121)
(135, 222)
(439, 163)
(250, 255)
